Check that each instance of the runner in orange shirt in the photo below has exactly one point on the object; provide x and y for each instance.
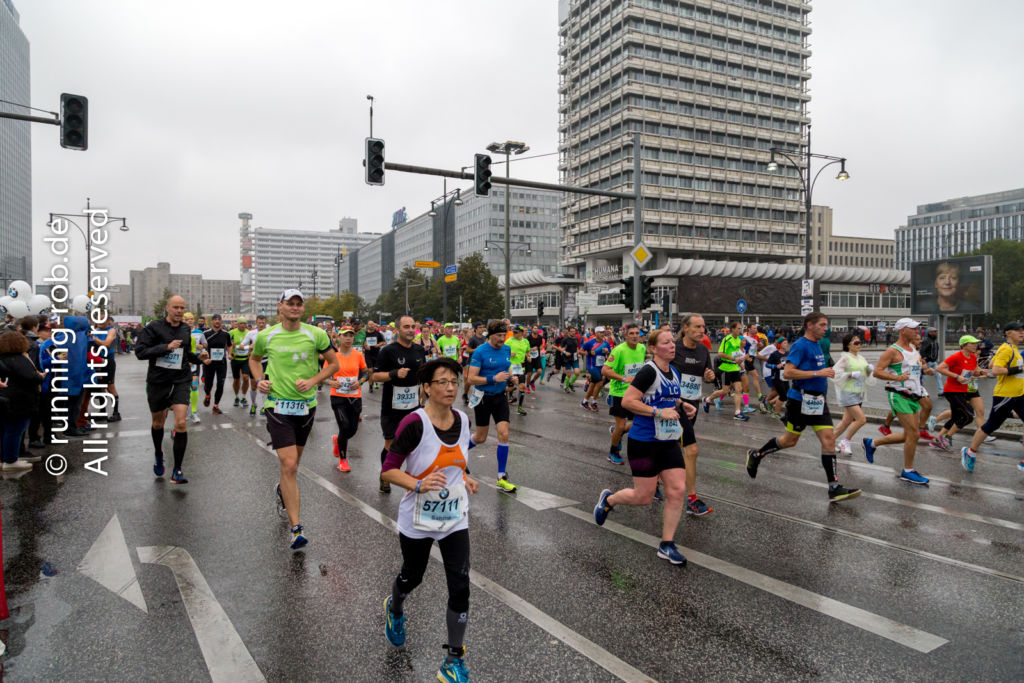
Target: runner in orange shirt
(346, 394)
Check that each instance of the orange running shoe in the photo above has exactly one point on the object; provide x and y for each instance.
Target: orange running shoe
(343, 465)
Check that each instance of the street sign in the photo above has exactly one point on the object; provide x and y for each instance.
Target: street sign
(641, 254)
(451, 270)
(586, 301)
(450, 278)
(741, 306)
(348, 314)
(806, 304)
(426, 264)
(807, 288)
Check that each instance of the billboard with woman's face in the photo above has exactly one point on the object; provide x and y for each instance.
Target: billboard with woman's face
(954, 286)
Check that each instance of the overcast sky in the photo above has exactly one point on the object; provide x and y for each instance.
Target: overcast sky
(201, 110)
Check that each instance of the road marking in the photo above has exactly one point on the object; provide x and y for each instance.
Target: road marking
(109, 564)
(883, 626)
(541, 500)
(227, 658)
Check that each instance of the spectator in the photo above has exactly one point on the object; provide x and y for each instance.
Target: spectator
(17, 399)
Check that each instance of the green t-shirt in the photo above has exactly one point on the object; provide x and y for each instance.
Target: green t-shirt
(449, 347)
(360, 340)
(519, 347)
(237, 336)
(625, 361)
(729, 346)
(292, 356)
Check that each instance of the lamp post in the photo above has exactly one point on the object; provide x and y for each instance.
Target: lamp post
(87, 234)
(339, 258)
(314, 276)
(507, 251)
(507, 148)
(808, 185)
(444, 237)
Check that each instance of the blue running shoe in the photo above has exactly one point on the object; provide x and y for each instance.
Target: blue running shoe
(667, 551)
(178, 478)
(658, 495)
(394, 626)
(869, 449)
(966, 459)
(749, 409)
(298, 540)
(1020, 466)
(707, 406)
(602, 508)
(718, 404)
(615, 459)
(158, 466)
(454, 671)
(741, 417)
(913, 477)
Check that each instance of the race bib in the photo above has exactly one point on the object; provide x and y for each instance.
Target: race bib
(689, 387)
(440, 510)
(598, 361)
(812, 405)
(475, 396)
(632, 369)
(516, 369)
(172, 359)
(667, 430)
(347, 385)
(451, 351)
(286, 407)
(216, 354)
(405, 398)
(534, 353)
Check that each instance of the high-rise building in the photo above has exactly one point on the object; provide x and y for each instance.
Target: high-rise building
(146, 287)
(710, 86)
(273, 259)
(15, 151)
(943, 229)
(829, 249)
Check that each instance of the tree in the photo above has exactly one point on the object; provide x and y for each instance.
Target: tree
(392, 303)
(478, 287)
(158, 308)
(336, 306)
(1007, 284)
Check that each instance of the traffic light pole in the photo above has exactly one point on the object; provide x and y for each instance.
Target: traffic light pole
(515, 182)
(55, 121)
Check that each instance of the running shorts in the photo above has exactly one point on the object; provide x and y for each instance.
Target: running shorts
(748, 365)
(899, 403)
(240, 367)
(595, 376)
(960, 407)
(491, 406)
(781, 387)
(1002, 407)
(649, 458)
(163, 396)
(730, 377)
(696, 404)
(289, 430)
(796, 421)
(389, 420)
(617, 410)
(848, 399)
(570, 363)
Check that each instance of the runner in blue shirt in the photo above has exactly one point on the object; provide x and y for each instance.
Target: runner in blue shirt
(488, 374)
(597, 351)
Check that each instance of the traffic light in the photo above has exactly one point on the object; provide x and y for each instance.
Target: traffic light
(666, 304)
(74, 122)
(646, 292)
(626, 295)
(540, 308)
(374, 161)
(481, 175)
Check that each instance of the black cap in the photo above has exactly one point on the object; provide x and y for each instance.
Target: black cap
(1012, 326)
(216, 316)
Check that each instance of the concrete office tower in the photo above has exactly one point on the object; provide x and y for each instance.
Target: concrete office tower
(15, 152)
(711, 86)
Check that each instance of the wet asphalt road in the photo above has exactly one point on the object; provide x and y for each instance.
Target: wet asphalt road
(905, 582)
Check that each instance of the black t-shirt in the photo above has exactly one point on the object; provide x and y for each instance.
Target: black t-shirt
(394, 356)
(475, 342)
(535, 342)
(152, 346)
(217, 340)
(409, 436)
(569, 344)
(370, 348)
(692, 361)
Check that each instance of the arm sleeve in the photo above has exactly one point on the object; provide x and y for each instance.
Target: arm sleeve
(407, 436)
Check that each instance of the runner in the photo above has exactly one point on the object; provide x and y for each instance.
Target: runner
(900, 365)
(218, 342)
(433, 443)
(1007, 397)
(106, 341)
(570, 345)
(961, 391)
(249, 341)
(240, 361)
(654, 439)
(852, 372)
(730, 353)
(198, 342)
(479, 337)
(488, 374)
(806, 405)
(292, 348)
(693, 362)
(396, 368)
(346, 396)
(520, 349)
(597, 351)
(751, 343)
(534, 363)
(371, 347)
(449, 345)
(625, 361)
(774, 357)
(168, 346)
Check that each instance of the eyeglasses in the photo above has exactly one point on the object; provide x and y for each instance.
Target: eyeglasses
(854, 343)
(445, 383)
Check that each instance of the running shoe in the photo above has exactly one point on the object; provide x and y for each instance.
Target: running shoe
(505, 485)
(925, 436)
(383, 486)
(741, 417)
(718, 404)
(394, 626)
(216, 410)
(844, 447)
(615, 459)
(158, 466)
(195, 418)
(206, 401)
(885, 430)
(593, 407)
(520, 411)
(837, 493)
(252, 410)
(667, 551)
(565, 389)
(707, 407)
(990, 439)
(602, 508)
(913, 477)
(343, 465)
(869, 449)
(280, 502)
(242, 402)
(178, 478)
(697, 508)
(586, 406)
(749, 409)
(298, 540)
(753, 460)
(334, 441)
(611, 429)
(931, 424)
(1020, 466)
(966, 459)
(263, 411)
(454, 671)
(573, 388)
(236, 402)
(940, 442)
(658, 495)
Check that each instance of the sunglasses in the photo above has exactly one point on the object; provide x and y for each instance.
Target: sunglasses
(854, 343)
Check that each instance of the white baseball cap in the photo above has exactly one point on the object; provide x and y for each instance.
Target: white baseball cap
(599, 328)
(289, 293)
(906, 322)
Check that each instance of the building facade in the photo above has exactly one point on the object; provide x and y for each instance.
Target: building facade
(146, 287)
(15, 151)
(709, 88)
(955, 226)
(272, 260)
(829, 249)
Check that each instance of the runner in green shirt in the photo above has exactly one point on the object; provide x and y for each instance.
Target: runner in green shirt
(359, 341)
(625, 361)
(520, 347)
(240, 361)
(449, 344)
(730, 351)
(293, 349)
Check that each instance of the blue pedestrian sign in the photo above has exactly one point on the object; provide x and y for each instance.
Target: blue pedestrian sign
(741, 306)
(451, 270)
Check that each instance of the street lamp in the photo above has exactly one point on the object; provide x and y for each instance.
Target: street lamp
(87, 235)
(507, 148)
(808, 185)
(338, 260)
(507, 251)
(445, 198)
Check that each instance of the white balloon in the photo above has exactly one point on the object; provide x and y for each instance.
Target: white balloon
(39, 304)
(4, 300)
(18, 309)
(19, 289)
(81, 304)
